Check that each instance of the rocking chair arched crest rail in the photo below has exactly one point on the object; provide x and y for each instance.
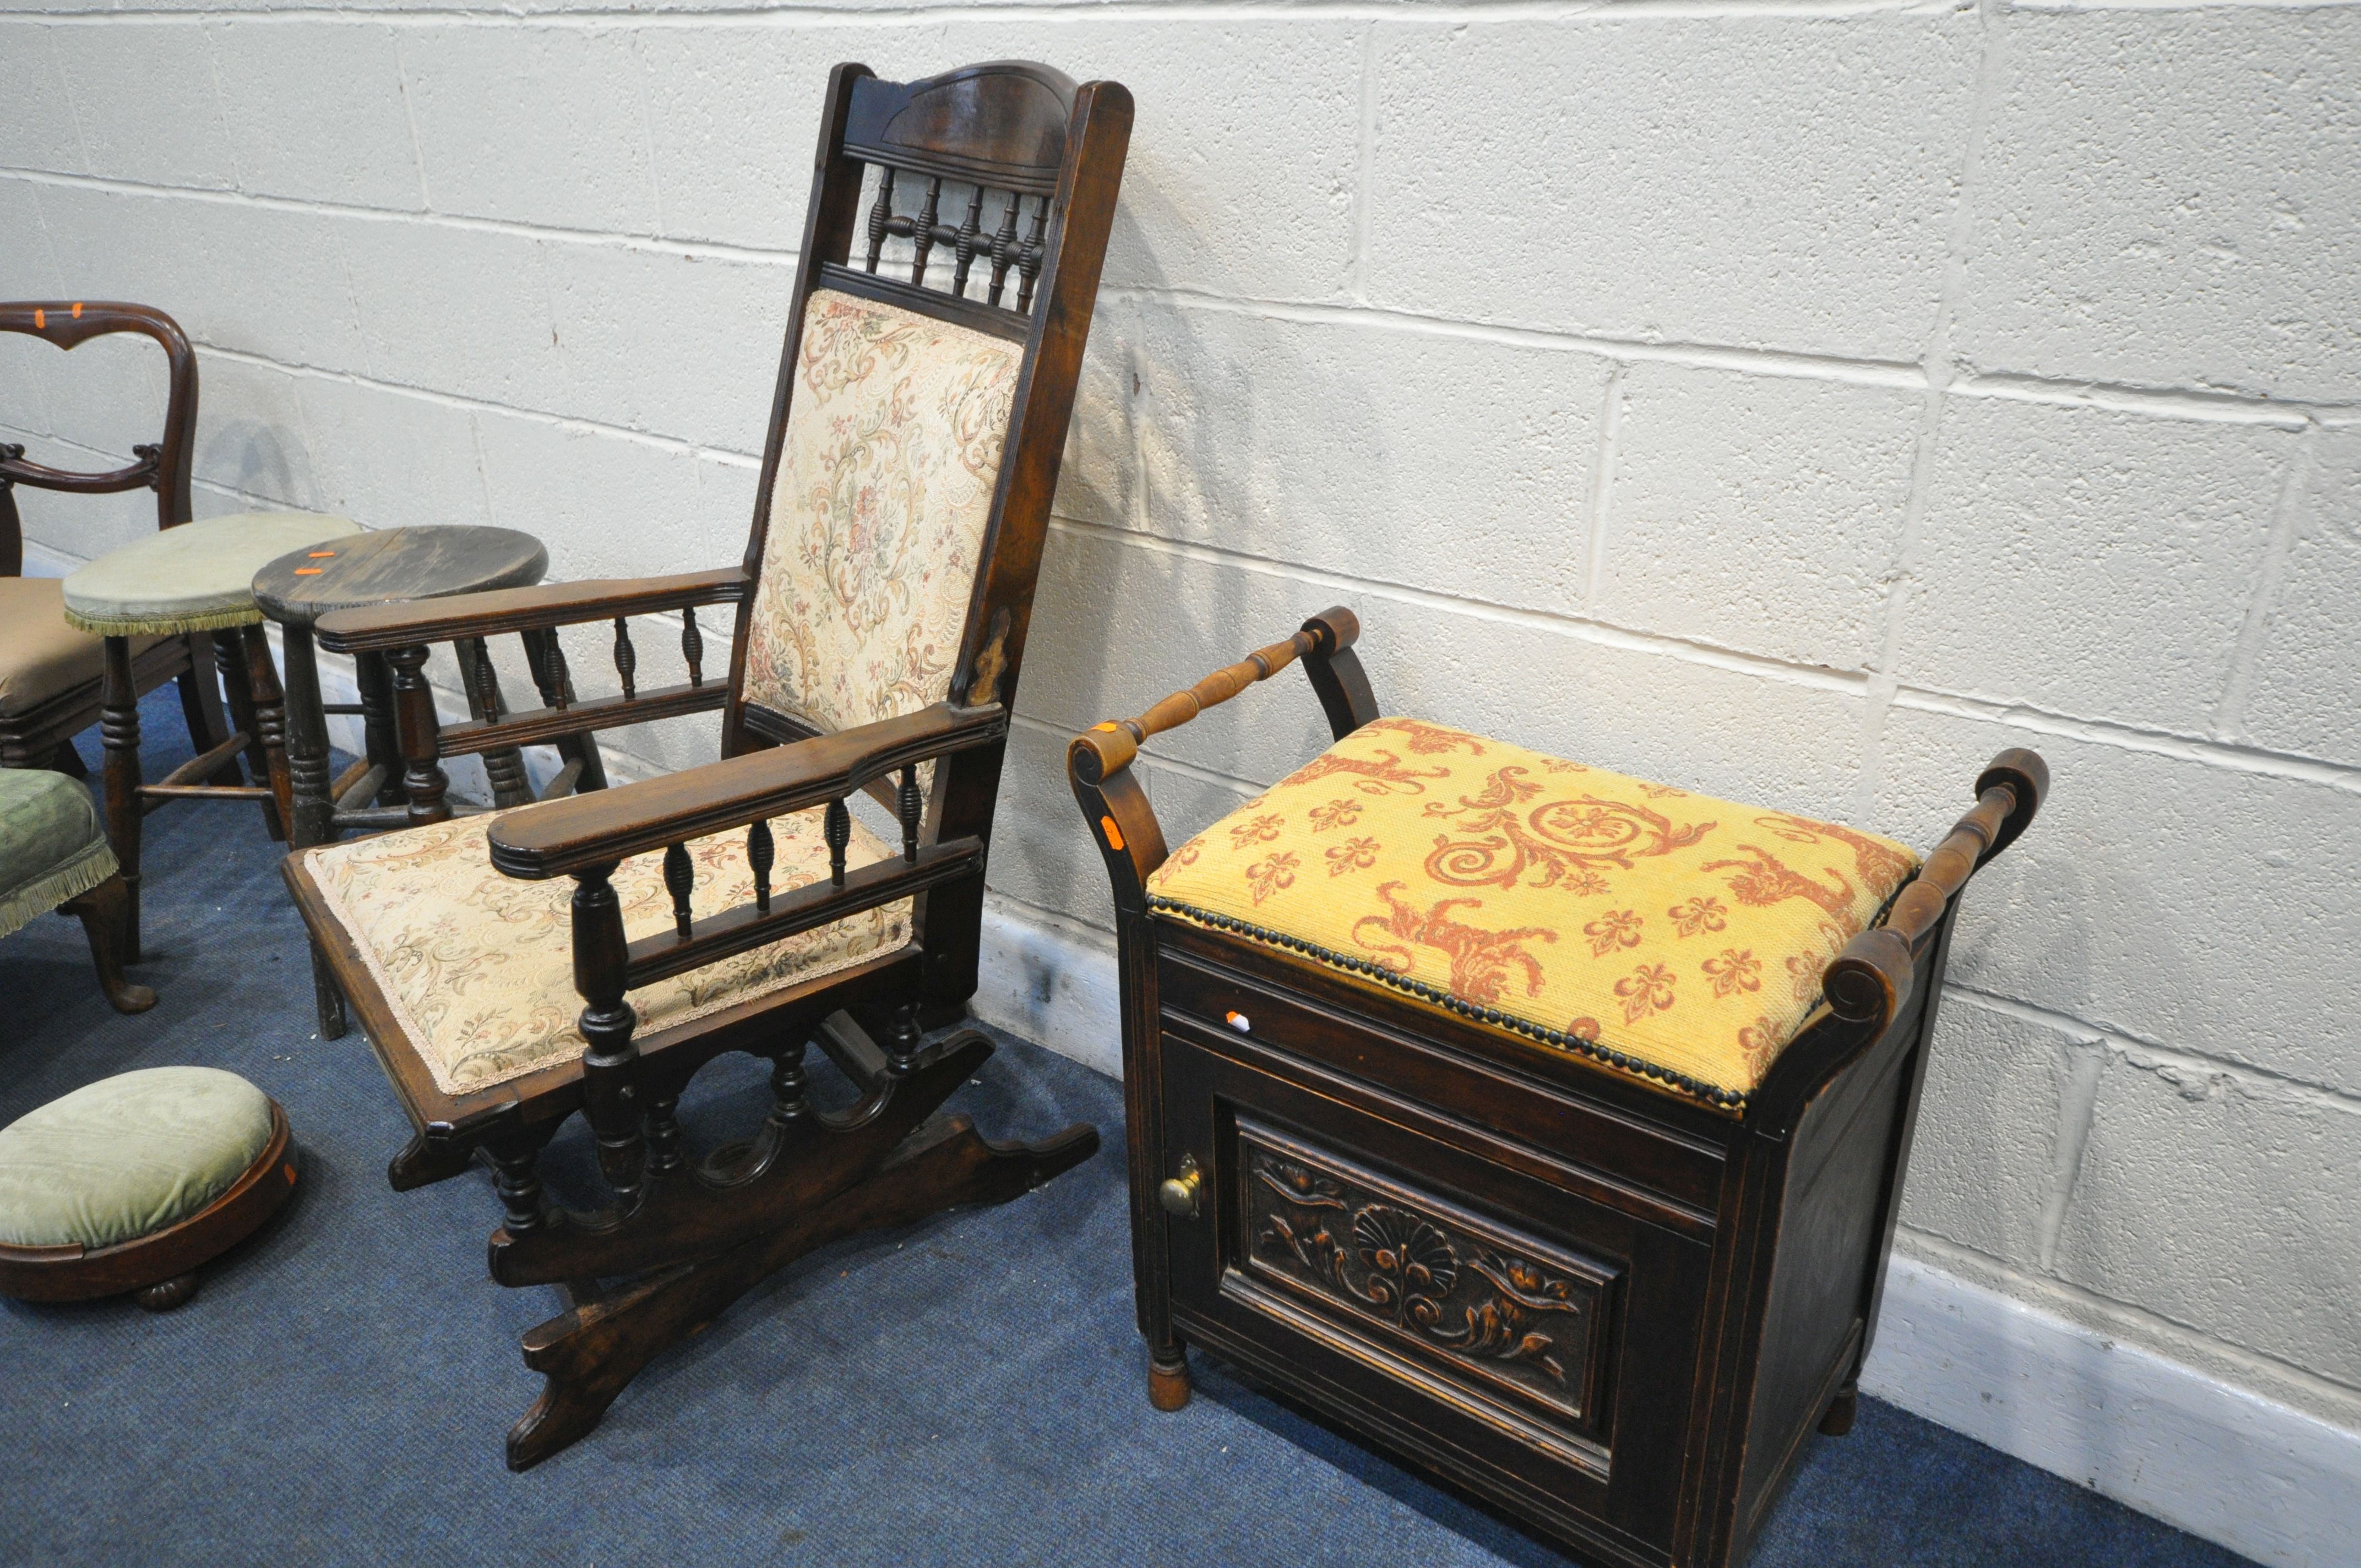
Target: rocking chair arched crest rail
(882, 610)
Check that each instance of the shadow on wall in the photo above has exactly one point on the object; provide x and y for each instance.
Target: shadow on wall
(1130, 603)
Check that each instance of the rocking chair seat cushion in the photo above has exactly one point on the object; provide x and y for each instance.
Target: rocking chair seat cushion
(127, 1156)
(40, 656)
(1669, 936)
(53, 845)
(194, 577)
(477, 967)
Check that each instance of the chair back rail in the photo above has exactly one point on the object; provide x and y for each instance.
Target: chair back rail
(162, 466)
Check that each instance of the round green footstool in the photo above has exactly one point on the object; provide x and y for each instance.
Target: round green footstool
(187, 581)
(129, 1183)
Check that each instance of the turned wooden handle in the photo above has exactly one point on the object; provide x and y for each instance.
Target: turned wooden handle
(1871, 978)
(1106, 749)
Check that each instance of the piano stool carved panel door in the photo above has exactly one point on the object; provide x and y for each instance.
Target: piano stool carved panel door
(1459, 1306)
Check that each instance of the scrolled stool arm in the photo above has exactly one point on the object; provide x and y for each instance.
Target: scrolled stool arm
(1869, 980)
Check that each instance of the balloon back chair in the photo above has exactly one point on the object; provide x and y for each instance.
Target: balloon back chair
(882, 608)
(51, 674)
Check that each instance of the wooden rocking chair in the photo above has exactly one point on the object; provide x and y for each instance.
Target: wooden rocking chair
(882, 610)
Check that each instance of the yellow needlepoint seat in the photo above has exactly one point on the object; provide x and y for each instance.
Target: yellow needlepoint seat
(1658, 933)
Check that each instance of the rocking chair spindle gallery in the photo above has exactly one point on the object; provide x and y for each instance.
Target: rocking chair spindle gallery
(881, 611)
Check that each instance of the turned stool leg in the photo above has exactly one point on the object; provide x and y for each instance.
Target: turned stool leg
(1168, 1374)
(200, 707)
(229, 657)
(119, 733)
(311, 810)
(422, 780)
(375, 679)
(268, 706)
(314, 818)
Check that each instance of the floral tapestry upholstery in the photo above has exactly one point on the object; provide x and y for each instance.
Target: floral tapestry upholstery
(477, 967)
(877, 516)
(1667, 935)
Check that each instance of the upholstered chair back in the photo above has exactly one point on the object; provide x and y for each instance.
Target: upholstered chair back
(879, 512)
(929, 373)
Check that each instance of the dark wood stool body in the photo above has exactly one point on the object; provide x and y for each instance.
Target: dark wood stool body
(1651, 1302)
(387, 566)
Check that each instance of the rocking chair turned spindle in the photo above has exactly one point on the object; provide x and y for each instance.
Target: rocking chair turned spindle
(882, 610)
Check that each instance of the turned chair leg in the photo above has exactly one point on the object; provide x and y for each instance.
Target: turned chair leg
(105, 912)
(311, 818)
(119, 733)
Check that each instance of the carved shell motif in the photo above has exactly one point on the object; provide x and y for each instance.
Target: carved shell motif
(1411, 1263)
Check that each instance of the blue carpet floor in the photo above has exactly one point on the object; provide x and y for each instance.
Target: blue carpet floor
(968, 1392)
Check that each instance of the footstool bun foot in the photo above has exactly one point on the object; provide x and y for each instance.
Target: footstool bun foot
(1168, 1384)
(1841, 1410)
(167, 1294)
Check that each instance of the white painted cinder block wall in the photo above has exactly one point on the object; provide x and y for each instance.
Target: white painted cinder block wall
(1795, 402)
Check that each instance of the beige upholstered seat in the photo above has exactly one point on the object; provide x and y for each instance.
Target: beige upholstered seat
(477, 966)
(41, 657)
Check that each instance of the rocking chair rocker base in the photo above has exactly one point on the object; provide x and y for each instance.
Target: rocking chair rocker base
(591, 1352)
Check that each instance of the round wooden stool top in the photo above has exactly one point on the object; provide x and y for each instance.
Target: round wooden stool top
(393, 565)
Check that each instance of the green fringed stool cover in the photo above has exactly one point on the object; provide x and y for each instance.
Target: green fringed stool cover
(52, 845)
(196, 577)
(127, 1156)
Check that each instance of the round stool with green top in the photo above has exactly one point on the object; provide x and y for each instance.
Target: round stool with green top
(198, 576)
(130, 1183)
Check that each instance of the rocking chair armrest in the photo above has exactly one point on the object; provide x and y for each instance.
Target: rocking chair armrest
(379, 628)
(599, 828)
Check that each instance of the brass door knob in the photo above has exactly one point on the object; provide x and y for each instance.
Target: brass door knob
(1179, 1195)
